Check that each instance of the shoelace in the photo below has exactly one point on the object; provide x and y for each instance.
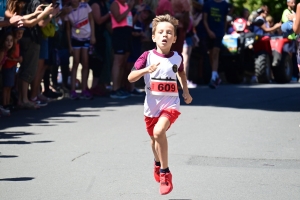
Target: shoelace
(164, 180)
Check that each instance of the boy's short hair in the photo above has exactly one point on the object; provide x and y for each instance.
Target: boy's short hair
(269, 18)
(164, 18)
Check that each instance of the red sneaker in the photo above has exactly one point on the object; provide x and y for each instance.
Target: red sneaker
(166, 185)
(156, 173)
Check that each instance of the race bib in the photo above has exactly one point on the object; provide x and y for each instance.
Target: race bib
(164, 87)
(129, 20)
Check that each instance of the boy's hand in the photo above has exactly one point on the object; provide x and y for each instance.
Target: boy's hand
(187, 98)
(152, 67)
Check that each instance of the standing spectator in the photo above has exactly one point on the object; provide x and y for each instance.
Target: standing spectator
(80, 32)
(245, 14)
(182, 9)
(97, 62)
(138, 34)
(290, 11)
(36, 95)
(122, 23)
(9, 68)
(214, 20)
(33, 17)
(190, 40)
(151, 3)
(164, 7)
(6, 50)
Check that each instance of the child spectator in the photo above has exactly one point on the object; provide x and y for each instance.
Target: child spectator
(160, 68)
(80, 32)
(6, 50)
(214, 20)
(9, 68)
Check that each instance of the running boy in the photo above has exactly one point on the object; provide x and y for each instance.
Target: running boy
(161, 108)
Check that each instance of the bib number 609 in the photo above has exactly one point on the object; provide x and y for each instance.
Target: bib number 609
(166, 87)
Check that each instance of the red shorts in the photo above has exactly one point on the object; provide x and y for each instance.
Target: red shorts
(171, 114)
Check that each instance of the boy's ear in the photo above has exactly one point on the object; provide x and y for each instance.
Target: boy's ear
(175, 37)
(153, 38)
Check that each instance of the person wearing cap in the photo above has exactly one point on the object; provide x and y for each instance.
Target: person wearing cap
(261, 26)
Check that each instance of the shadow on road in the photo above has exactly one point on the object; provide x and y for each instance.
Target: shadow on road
(17, 179)
(282, 98)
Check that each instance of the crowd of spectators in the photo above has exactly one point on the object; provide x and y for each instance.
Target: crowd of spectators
(106, 37)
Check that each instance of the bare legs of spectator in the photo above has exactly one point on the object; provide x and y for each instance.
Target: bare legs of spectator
(6, 96)
(214, 61)
(186, 53)
(80, 54)
(118, 70)
(36, 84)
(23, 96)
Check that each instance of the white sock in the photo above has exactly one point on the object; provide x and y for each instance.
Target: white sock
(214, 75)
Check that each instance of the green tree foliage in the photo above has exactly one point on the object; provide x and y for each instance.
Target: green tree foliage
(276, 7)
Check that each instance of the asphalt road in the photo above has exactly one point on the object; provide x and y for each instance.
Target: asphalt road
(236, 142)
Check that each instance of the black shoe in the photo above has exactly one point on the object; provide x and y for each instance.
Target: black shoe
(52, 95)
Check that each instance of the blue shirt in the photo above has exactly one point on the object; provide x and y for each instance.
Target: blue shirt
(216, 16)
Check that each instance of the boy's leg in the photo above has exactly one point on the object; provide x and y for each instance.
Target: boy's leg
(157, 164)
(161, 142)
(161, 147)
(156, 157)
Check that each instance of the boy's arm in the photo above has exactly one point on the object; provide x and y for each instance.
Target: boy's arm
(183, 82)
(135, 75)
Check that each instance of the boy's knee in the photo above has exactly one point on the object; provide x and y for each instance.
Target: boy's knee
(158, 132)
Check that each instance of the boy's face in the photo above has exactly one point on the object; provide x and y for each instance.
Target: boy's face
(291, 4)
(19, 34)
(164, 35)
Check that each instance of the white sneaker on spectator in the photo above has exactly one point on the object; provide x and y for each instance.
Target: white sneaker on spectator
(4, 112)
(190, 84)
